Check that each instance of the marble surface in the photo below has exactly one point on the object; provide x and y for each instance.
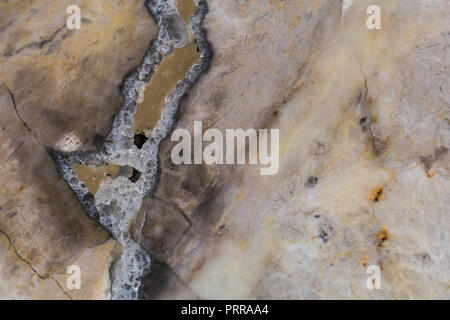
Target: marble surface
(364, 162)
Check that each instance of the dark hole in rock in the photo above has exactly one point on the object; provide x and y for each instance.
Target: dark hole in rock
(135, 176)
(365, 124)
(323, 235)
(139, 140)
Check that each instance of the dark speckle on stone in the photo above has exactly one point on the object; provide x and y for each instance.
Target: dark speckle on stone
(425, 258)
(364, 122)
(98, 140)
(12, 214)
(311, 182)
(323, 235)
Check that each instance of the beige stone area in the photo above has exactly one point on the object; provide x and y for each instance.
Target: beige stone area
(68, 80)
(19, 280)
(42, 224)
(95, 281)
(58, 86)
(364, 162)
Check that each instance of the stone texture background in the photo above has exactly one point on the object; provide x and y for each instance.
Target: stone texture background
(364, 162)
(55, 82)
(364, 174)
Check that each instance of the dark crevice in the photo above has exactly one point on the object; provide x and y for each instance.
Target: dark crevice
(22, 258)
(13, 101)
(135, 176)
(139, 140)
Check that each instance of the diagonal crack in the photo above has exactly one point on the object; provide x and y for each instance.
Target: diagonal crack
(14, 105)
(22, 258)
(35, 45)
(28, 263)
(62, 289)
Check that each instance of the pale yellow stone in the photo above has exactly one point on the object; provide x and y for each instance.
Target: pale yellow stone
(94, 264)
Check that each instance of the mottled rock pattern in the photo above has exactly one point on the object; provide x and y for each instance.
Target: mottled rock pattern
(364, 173)
(55, 83)
(364, 138)
(68, 80)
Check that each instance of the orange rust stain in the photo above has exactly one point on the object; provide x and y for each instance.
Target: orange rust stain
(431, 175)
(376, 194)
(295, 22)
(240, 196)
(364, 261)
(382, 236)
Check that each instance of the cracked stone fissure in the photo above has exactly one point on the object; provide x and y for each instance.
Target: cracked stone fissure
(37, 44)
(118, 201)
(28, 263)
(14, 105)
(22, 258)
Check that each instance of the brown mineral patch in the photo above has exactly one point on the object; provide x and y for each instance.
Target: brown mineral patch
(186, 8)
(92, 176)
(171, 70)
